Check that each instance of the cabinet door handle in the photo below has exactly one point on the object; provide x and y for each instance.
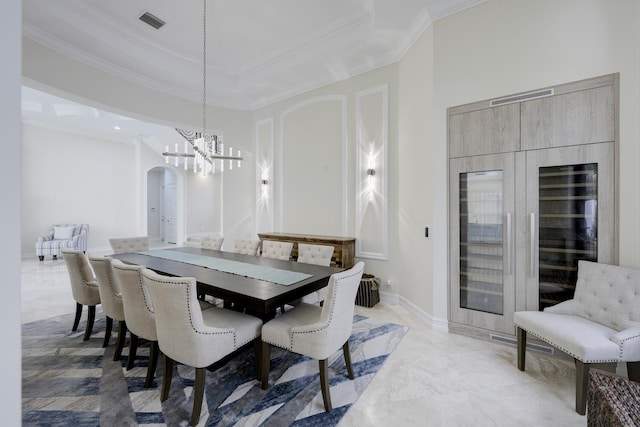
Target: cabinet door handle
(509, 242)
(532, 244)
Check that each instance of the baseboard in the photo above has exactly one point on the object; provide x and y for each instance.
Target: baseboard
(389, 298)
(435, 323)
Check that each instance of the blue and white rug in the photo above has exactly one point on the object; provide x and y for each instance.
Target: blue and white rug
(70, 382)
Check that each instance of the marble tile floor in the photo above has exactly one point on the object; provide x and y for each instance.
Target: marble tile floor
(433, 378)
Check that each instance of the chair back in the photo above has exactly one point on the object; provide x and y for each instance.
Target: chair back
(84, 287)
(212, 242)
(181, 329)
(246, 246)
(277, 250)
(336, 319)
(607, 294)
(122, 245)
(315, 254)
(110, 296)
(138, 308)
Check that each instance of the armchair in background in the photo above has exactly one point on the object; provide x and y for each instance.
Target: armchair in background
(62, 236)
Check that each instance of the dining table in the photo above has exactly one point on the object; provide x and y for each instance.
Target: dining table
(259, 285)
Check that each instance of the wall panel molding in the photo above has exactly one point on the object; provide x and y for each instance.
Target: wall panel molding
(340, 155)
(372, 138)
(265, 170)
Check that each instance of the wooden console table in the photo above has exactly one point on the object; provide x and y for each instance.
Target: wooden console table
(344, 247)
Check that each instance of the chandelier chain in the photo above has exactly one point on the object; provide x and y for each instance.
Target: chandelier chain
(204, 69)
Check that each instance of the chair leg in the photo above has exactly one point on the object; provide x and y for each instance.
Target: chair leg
(133, 349)
(264, 369)
(633, 371)
(76, 321)
(257, 357)
(324, 384)
(522, 346)
(122, 334)
(153, 363)
(198, 393)
(90, 319)
(582, 383)
(166, 378)
(347, 359)
(107, 332)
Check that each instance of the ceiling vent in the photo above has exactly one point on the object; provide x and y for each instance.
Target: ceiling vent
(522, 97)
(152, 20)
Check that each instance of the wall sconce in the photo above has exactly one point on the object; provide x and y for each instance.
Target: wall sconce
(264, 181)
(371, 172)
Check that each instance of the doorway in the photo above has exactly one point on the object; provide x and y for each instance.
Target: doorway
(162, 205)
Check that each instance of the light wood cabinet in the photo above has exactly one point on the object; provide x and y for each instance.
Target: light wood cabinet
(521, 220)
(575, 118)
(484, 131)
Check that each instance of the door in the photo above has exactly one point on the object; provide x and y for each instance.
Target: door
(570, 213)
(482, 269)
(170, 220)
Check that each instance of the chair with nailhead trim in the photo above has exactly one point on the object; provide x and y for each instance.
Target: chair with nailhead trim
(192, 336)
(317, 332)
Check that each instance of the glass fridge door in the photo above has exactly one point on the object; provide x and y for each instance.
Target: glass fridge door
(568, 229)
(481, 251)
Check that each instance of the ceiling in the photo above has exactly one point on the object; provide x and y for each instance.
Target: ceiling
(258, 52)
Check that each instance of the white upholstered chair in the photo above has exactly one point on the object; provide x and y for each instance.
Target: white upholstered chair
(276, 250)
(246, 246)
(317, 332)
(121, 245)
(84, 287)
(62, 236)
(138, 313)
(205, 242)
(319, 255)
(111, 300)
(192, 336)
(601, 324)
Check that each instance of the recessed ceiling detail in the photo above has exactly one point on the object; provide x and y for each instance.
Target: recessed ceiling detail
(258, 52)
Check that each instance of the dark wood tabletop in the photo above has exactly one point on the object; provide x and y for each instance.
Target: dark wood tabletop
(259, 297)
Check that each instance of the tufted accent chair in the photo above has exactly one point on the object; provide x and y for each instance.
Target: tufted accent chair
(205, 242)
(84, 287)
(277, 250)
(111, 300)
(192, 336)
(138, 313)
(319, 255)
(62, 236)
(246, 246)
(123, 245)
(315, 331)
(315, 254)
(601, 324)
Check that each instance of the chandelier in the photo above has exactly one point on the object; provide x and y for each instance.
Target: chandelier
(206, 150)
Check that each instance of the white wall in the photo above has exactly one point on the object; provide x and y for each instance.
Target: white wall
(420, 202)
(68, 178)
(204, 207)
(10, 24)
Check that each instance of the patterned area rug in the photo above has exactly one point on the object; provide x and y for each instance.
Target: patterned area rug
(67, 381)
